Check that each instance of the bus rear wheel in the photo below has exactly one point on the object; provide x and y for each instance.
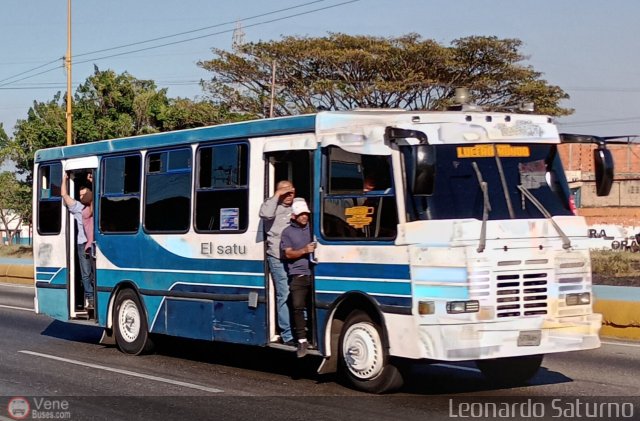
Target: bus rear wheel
(130, 324)
(364, 362)
(511, 370)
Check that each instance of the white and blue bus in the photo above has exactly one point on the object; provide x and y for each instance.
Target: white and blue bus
(445, 236)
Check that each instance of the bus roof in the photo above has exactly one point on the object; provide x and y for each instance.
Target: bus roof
(241, 130)
(441, 127)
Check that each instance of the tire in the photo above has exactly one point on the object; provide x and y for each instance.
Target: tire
(364, 362)
(511, 370)
(130, 324)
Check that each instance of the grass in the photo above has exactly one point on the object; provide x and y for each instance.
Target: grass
(16, 251)
(615, 263)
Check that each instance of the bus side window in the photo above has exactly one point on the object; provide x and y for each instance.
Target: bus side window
(49, 200)
(120, 200)
(222, 191)
(360, 202)
(168, 191)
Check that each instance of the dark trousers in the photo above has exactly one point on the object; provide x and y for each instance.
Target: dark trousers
(300, 293)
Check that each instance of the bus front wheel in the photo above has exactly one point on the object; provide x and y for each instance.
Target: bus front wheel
(130, 324)
(510, 370)
(364, 362)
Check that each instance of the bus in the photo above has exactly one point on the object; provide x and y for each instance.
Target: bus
(441, 236)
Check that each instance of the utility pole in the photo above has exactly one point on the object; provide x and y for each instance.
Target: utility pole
(273, 87)
(67, 60)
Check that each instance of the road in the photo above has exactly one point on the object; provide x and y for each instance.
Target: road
(40, 357)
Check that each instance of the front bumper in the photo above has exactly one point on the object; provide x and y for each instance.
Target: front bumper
(499, 339)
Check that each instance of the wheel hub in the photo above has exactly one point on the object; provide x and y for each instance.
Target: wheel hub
(129, 319)
(363, 351)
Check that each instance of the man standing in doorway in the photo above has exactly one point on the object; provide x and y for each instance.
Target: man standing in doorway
(82, 212)
(297, 245)
(276, 214)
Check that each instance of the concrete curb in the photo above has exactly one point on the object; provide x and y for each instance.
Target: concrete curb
(619, 306)
(17, 274)
(620, 309)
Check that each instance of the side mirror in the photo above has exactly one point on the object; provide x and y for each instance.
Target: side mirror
(603, 163)
(424, 174)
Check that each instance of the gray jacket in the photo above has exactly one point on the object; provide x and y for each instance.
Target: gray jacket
(276, 217)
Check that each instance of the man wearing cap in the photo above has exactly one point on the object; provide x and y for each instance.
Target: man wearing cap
(297, 244)
(276, 214)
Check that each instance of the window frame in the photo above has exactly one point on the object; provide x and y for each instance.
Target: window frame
(325, 194)
(145, 187)
(197, 188)
(103, 192)
(55, 199)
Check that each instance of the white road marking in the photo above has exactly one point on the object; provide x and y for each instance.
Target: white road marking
(17, 308)
(458, 367)
(126, 372)
(621, 344)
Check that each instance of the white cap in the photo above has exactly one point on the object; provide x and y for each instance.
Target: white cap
(299, 206)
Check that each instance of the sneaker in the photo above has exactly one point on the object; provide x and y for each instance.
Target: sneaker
(302, 349)
(88, 303)
(290, 343)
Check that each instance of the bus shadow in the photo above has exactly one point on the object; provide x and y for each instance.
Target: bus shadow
(73, 332)
(419, 378)
(454, 378)
(256, 358)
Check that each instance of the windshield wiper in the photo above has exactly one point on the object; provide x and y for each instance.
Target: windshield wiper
(503, 181)
(566, 242)
(486, 208)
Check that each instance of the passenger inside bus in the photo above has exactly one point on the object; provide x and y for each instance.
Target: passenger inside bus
(82, 211)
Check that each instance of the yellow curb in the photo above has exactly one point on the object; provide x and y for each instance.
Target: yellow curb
(17, 274)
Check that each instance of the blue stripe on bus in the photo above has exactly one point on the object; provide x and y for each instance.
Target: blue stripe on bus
(370, 287)
(363, 270)
(55, 276)
(439, 291)
(46, 269)
(162, 281)
(440, 274)
(271, 127)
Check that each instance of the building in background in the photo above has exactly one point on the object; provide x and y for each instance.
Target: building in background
(578, 164)
(23, 235)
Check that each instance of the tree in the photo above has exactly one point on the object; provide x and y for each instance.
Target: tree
(339, 72)
(15, 204)
(108, 106)
(183, 114)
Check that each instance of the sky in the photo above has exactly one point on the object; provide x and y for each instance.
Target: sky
(590, 48)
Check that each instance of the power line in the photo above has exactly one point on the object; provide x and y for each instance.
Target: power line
(611, 121)
(30, 70)
(199, 29)
(174, 35)
(218, 33)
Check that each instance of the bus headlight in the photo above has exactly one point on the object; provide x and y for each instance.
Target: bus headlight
(426, 307)
(456, 307)
(578, 299)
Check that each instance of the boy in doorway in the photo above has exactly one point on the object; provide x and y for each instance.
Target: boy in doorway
(297, 245)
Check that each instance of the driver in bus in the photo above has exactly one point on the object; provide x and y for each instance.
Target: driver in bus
(82, 211)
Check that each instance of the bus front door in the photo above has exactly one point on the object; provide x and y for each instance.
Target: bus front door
(297, 167)
(80, 246)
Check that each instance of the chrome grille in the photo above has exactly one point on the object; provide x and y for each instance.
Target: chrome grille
(521, 294)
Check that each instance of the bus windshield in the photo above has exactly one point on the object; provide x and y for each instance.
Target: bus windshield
(460, 170)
